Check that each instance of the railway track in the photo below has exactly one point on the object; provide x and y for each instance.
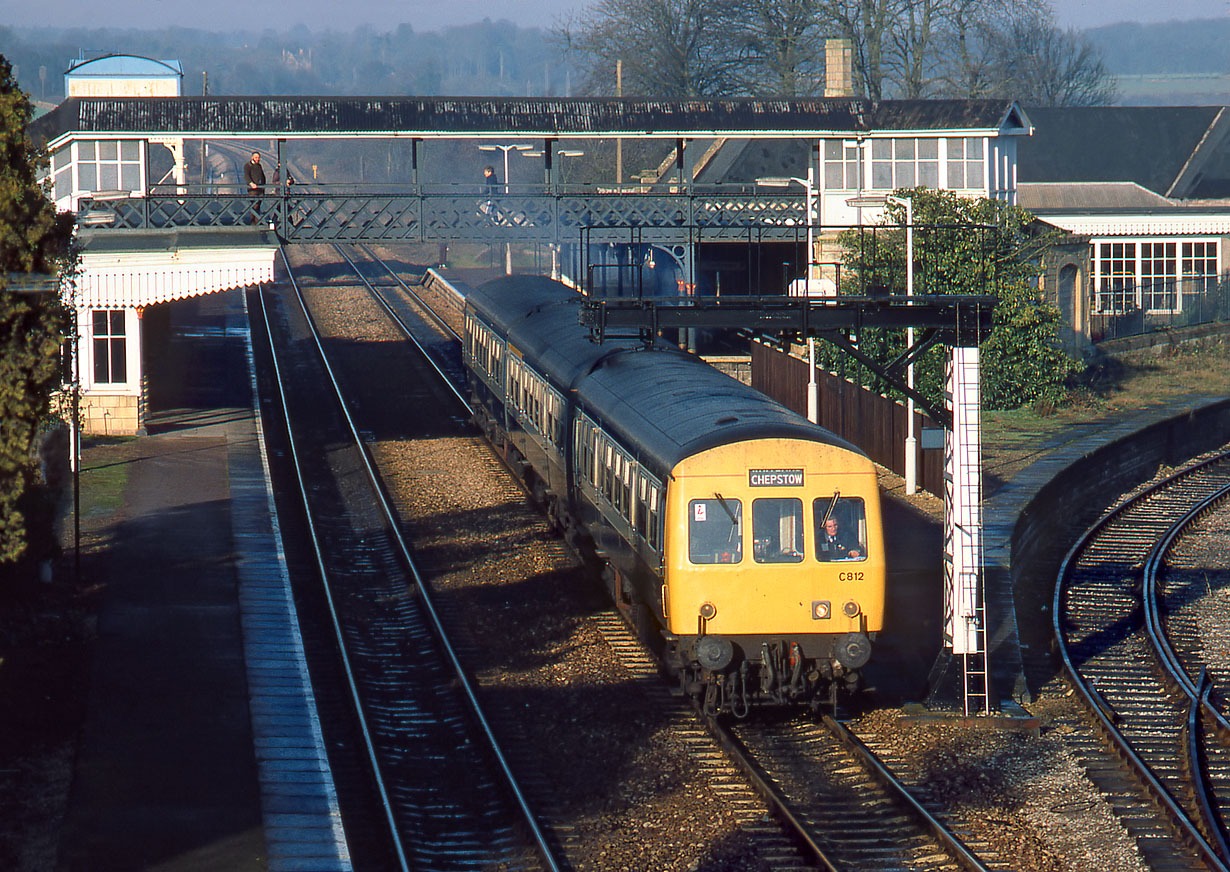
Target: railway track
(1163, 756)
(448, 798)
(878, 821)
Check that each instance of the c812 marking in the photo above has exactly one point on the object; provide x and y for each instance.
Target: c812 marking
(849, 576)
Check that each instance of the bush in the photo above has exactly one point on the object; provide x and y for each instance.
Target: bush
(967, 246)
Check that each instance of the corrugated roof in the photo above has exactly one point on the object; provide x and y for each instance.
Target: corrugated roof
(1046, 196)
(293, 117)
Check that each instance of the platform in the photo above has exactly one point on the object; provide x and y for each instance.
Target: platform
(200, 748)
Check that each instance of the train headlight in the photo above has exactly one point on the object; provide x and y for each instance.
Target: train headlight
(708, 611)
(850, 609)
(821, 610)
(714, 653)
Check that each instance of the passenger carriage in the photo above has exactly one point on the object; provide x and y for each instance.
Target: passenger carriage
(706, 501)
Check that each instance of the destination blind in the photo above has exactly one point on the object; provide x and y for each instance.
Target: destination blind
(775, 478)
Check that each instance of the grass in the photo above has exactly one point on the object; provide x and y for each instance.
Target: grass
(103, 480)
(1143, 380)
(1173, 88)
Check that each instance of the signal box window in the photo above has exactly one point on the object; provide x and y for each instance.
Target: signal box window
(841, 528)
(715, 531)
(777, 530)
(110, 351)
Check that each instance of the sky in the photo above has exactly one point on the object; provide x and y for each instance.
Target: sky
(425, 15)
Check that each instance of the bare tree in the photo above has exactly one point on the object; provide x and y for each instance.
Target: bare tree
(902, 48)
(776, 46)
(669, 48)
(972, 46)
(1047, 66)
(1014, 49)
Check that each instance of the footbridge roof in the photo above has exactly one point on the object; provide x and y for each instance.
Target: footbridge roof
(495, 117)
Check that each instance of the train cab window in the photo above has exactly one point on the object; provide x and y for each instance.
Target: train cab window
(715, 531)
(841, 528)
(777, 530)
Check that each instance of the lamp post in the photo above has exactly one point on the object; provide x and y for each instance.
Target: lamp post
(809, 186)
(911, 441)
(562, 152)
(506, 149)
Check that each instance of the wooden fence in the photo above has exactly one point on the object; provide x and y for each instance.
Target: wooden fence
(873, 423)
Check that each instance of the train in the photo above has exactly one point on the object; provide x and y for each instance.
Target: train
(650, 462)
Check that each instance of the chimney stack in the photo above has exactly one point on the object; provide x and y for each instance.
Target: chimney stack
(838, 68)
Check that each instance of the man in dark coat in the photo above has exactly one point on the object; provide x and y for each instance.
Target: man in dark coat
(492, 184)
(254, 175)
(835, 545)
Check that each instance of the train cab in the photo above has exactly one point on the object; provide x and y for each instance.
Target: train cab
(777, 578)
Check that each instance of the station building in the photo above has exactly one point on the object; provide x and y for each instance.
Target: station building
(1146, 189)
(121, 276)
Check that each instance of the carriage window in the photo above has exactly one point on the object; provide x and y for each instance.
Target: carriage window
(777, 530)
(608, 472)
(841, 528)
(653, 535)
(625, 489)
(715, 531)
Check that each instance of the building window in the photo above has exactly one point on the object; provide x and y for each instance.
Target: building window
(965, 163)
(1116, 276)
(1158, 276)
(1155, 276)
(110, 348)
(841, 165)
(109, 165)
(1199, 273)
(905, 163)
(62, 174)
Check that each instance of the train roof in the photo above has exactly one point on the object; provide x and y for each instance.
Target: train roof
(663, 403)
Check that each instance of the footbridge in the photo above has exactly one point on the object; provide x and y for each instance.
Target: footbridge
(100, 149)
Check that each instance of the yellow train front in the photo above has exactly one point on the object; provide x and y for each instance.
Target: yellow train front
(773, 581)
(743, 542)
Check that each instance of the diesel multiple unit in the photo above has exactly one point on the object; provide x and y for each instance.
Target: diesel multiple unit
(743, 541)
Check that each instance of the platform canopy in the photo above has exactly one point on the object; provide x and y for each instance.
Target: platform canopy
(142, 268)
(501, 117)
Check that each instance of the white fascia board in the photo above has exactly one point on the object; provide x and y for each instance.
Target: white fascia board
(1139, 224)
(927, 133)
(504, 135)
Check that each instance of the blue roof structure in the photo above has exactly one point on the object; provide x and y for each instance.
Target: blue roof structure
(124, 65)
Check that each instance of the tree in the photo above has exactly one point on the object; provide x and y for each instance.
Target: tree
(673, 49)
(777, 47)
(1013, 49)
(1045, 66)
(33, 239)
(967, 246)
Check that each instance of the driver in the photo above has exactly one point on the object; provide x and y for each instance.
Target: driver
(835, 545)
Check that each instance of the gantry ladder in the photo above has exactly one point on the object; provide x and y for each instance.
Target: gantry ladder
(965, 563)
